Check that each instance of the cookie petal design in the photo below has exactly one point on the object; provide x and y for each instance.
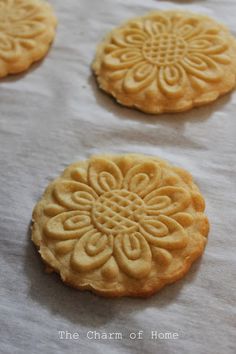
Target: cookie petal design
(139, 77)
(207, 44)
(104, 175)
(25, 11)
(187, 28)
(9, 48)
(68, 225)
(75, 195)
(202, 66)
(152, 228)
(133, 255)
(142, 178)
(157, 24)
(161, 256)
(26, 29)
(91, 251)
(129, 37)
(164, 232)
(172, 80)
(167, 200)
(122, 58)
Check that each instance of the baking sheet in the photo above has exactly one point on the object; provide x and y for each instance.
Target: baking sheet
(54, 115)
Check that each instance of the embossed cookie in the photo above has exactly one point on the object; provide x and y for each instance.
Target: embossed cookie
(120, 225)
(167, 61)
(27, 27)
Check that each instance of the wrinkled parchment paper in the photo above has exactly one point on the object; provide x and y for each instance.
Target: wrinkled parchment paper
(54, 115)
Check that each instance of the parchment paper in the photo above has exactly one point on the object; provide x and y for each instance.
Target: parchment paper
(54, 115)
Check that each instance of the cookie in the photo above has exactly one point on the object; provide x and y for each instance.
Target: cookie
(120, 225)
(27, 27)
(167, 61)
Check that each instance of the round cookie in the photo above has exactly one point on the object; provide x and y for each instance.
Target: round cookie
(121, 225)
(167, 61)
(27, 27)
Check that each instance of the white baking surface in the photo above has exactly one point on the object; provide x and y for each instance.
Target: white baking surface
(54, 115)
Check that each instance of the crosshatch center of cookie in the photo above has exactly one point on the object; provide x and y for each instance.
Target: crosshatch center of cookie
(164, 49)
(117, 212)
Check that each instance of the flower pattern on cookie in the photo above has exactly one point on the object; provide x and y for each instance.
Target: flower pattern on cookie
(167, 55)
(122, 216)
(26, 29)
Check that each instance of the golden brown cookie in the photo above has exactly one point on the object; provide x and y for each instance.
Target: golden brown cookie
(167, 61)
(27, 27)
(121, 225)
